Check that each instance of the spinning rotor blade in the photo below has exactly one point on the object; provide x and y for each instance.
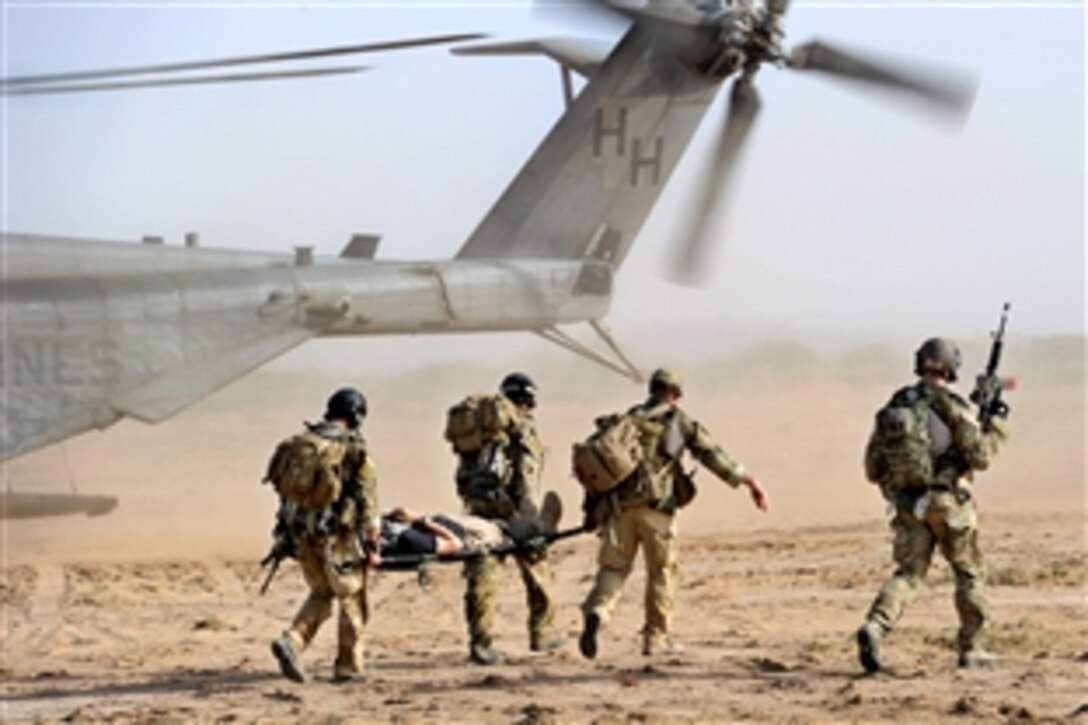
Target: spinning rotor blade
(676, 15)
(744, 104)
(238, 60)
(948, 92)
(193, 81)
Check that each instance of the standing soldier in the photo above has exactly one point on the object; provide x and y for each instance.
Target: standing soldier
(922, 453)
(641, 511)
(499, 465)
(328, 492)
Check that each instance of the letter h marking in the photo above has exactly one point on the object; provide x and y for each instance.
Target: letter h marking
(619, 131)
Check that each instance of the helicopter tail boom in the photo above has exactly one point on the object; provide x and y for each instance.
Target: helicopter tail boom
(592, 182)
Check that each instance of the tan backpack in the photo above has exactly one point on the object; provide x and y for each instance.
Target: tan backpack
(479, 420)
(614, 451)
(308, 470)
(610, 455)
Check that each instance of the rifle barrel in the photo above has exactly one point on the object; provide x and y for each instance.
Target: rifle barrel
(271, 575)
(998, 342)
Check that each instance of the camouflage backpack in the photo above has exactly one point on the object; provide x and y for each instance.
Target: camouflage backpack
(479, 420)
(905, 429)
(307, 470)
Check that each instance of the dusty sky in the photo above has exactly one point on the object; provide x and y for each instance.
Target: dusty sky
(851, 216)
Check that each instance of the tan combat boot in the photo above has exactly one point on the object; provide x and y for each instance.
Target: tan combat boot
(283, 649)
(977, 658)
(587, 642)
(551, 510)
(660, 644)
(869, 646)
(543, 642)
(483, 654)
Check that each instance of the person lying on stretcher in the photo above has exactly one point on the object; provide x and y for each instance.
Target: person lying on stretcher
(406, 532)
(410, 540)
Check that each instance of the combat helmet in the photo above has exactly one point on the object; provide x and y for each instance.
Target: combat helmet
(938, 355)
(520, 389)
(666, 379)
(346, 404)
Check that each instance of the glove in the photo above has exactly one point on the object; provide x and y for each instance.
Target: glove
(589, 521)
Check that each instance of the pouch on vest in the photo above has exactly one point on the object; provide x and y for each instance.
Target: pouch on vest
(482, 483)
(905, 445)
(307, 470)
(684, 489)
(478, 420)
(481, 474)
(663, 445)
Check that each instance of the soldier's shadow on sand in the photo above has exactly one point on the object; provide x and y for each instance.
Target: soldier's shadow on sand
(637, 677)
(209, 683)
(202, 683)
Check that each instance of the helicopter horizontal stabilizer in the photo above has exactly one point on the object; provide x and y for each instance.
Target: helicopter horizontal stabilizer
(361, 246)
(578, 54)
(44, 505)
(169, 394)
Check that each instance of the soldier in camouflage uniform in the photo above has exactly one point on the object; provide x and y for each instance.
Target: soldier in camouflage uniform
(641, 512)
(504, 495)
(328, 549)
(941, 514)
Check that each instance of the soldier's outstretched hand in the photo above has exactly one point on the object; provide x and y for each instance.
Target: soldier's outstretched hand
(759, 496)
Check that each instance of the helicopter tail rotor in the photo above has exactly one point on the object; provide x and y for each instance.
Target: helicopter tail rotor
(693, 252)
(947, 91)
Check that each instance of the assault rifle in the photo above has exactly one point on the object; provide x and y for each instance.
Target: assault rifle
(407, 562)
(988, 386)
(282, 548)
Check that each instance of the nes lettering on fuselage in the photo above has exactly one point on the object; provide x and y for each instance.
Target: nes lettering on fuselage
(33, 362)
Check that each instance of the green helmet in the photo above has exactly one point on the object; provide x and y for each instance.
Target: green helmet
(666, 379)
(938, 356)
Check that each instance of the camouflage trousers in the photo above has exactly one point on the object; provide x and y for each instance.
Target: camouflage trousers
(937, 521)
(482, 589)
(333, 571)
(621, 536)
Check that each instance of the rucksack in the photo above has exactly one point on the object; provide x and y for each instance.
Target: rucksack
(479, 420)
(610, 455)
(906, 441)
(308, 470)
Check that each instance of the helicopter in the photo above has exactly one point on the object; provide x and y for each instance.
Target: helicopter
(98, 331)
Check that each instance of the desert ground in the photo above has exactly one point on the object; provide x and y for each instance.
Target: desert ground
(152, 613)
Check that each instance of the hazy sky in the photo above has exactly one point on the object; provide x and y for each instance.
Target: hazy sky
(850, 214)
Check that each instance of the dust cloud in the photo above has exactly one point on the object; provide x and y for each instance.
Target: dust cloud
(796, 415)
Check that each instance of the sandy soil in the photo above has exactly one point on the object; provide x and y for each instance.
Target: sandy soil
(152, 613)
